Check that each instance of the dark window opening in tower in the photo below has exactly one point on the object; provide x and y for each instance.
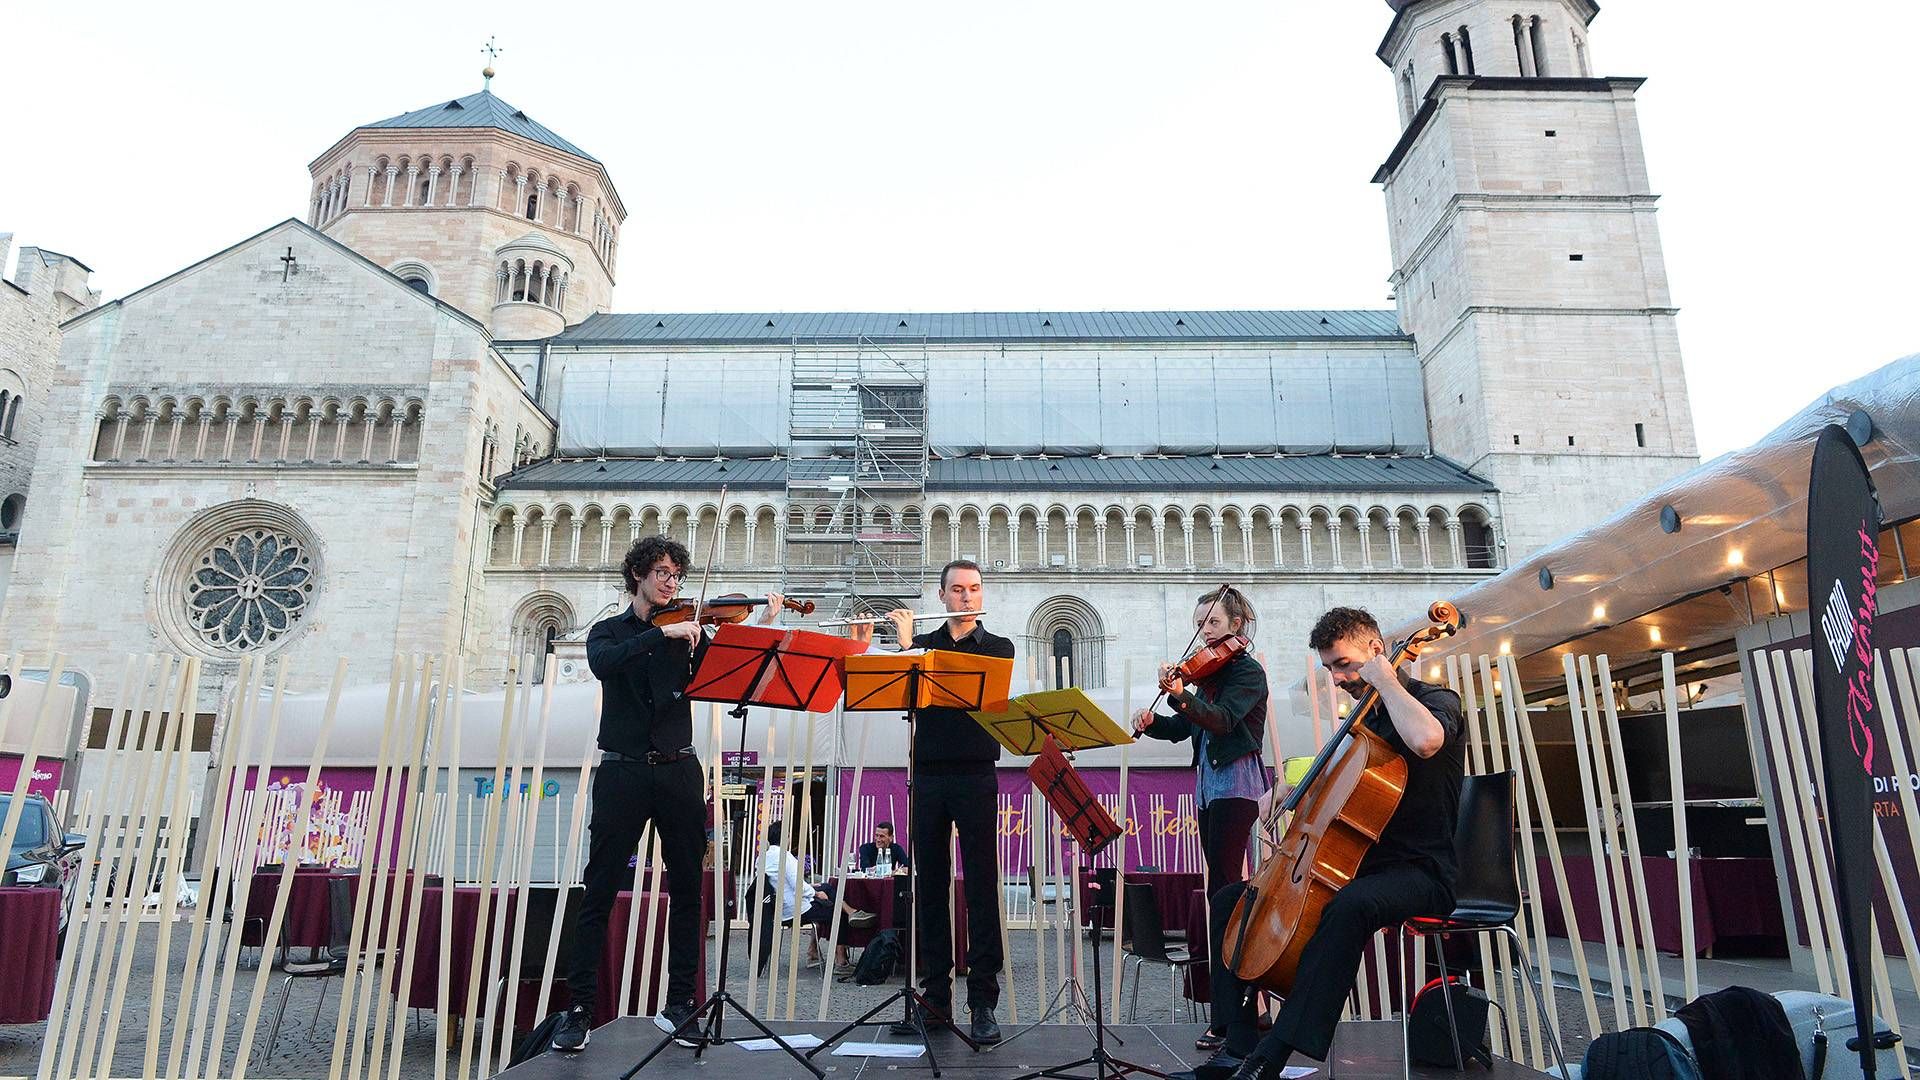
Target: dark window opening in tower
(11, 511)
(1453, 59)
(1539, 36)
(1466, 52)
(1406, 92)
(1062, 658)
(533, 204)
(1520, 56)
(417, 284)
(1476, 537)
(1639, 434)
(425, 185)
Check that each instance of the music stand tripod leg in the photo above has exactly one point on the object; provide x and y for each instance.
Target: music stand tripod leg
(909, 995)
(707, 1020)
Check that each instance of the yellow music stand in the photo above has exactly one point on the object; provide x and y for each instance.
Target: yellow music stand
(1069, 715)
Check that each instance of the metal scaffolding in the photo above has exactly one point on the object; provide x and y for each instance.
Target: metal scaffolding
(857, 458)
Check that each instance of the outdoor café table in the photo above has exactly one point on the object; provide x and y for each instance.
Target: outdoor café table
(868, 894)
(28, 954)
(1174, 890)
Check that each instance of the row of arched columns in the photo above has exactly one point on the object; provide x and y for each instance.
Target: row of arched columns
(227, 429)
(588, 535)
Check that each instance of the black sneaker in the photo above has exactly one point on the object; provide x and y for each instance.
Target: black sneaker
(1220, 1066)
(676, 1016)
(574, 1029)
(986, 1029)
(922, 1017)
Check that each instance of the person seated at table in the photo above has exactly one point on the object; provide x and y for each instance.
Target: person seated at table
(782, 876)
(882, 844)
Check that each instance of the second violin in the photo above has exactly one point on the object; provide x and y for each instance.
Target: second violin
(731, 608)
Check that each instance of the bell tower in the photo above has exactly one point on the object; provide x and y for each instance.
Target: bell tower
(474, 202)
(1527, 263)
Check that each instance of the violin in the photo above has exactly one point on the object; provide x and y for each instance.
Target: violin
(1209, 659)
(1339, 807)
(731, 608)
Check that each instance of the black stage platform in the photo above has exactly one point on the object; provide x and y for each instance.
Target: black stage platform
(1361, 1050)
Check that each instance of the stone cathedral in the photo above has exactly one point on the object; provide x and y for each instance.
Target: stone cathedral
(414, 419)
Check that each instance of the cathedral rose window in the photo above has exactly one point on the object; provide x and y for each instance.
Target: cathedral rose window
(242, 577)
(249, 589)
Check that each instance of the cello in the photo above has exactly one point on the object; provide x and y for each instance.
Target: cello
(1339, 809)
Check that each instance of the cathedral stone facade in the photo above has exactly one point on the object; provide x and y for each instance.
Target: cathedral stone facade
(412, 420)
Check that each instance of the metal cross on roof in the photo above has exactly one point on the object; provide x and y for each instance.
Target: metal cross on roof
(493, 52)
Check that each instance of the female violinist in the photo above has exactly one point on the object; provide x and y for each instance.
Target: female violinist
(1222, 707)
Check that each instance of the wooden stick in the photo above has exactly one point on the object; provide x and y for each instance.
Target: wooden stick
(649, 990)
(71, 983)
(243, 858)
(762, 823)
(490, 861)
(452, 708)
(1000, 905)
(506, 868)
(1682, 854)
(1548, 830)
(1619, 909)
(720, 841)
(846, 841)
(177, 831)
(646, 861)
(1490, 975)
(535, 788)
(276, 918)
(776, 880)
(1883, 988)
(1792, 818)
(16, 807)
(1510, 978)
(422, 771)
(357, 949)
(1036, 833)
(1804, 744)
(564, 877)
(1589, 799)
(1657, 995)
(802, 893)
(405, 883)
(1536, 928)
(1127, 826)
(146, 842)
(1313, 699)
(385, 847)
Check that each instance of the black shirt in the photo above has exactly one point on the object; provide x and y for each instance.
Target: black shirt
(1421, 829)
(643, 675)
(950, 740)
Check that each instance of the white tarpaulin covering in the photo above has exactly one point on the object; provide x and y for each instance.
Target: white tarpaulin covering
(1751, 501)
(1067, 402)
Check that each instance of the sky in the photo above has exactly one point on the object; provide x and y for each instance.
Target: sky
(843, 155)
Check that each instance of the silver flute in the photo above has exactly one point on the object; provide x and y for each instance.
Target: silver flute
(870, 619)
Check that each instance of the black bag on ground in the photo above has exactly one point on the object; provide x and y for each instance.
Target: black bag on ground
(1428, 1042)
(1641, 1053)
(539, 1040)
(878, 960)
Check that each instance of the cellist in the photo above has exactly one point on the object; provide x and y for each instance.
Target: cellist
(1408, 872)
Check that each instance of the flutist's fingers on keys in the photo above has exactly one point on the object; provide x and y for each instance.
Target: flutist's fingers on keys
(902, 626)
(861, 632)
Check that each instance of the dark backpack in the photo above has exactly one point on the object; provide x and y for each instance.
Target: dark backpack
(539, 1040)
(1428, 1038)
(879, 958)
(1641, 1053)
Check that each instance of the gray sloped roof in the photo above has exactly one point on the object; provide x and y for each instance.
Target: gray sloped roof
(481, 110)
(734, 328)
(1319, 472)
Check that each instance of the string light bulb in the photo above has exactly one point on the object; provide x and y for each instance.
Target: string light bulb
(1653, 632)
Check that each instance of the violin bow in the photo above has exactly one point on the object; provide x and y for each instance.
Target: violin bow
(713, 548)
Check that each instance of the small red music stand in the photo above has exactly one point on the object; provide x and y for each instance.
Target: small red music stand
(771, 667)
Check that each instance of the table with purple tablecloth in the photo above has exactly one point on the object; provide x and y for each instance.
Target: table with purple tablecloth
(868, 894)
(423, 990)
(1732, 899)
(28, 952)
(308, 922)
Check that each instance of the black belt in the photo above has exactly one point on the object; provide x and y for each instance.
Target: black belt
(653, 757)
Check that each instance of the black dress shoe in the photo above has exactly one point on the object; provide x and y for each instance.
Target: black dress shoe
(1221, 1066)
(676, 1016)
(986, 1029)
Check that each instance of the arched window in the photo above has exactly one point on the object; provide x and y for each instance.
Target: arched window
(1465, 45)
(1063, 673)
(533, 207)
(1071, 634)
(417, 284)
(6, 411)
(11, 511)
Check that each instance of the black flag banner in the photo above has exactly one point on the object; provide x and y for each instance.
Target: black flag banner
(1843, 559)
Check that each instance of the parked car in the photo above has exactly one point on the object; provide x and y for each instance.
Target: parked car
(42, 855)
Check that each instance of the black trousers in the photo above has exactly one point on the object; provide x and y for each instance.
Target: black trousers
(1225, 826)
(1329, 963)
(967, 804)
(626, 796)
